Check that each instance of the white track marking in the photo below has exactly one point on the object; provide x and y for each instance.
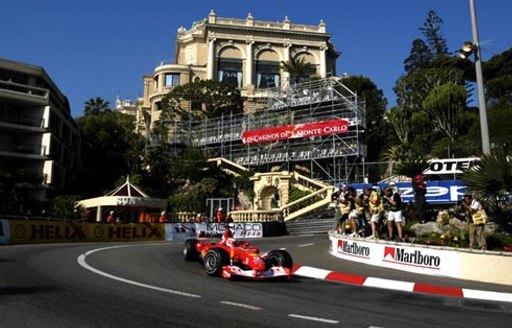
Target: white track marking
(245, 306)
(298, 316)
(306, 245)
(83, 263)
(486, 295)
(310, 272)
(389, 284)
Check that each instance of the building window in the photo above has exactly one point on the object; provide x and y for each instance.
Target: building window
(172, 79)
(267, 74)
(230, 71)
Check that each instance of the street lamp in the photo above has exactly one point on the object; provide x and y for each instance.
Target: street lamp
(474, 48)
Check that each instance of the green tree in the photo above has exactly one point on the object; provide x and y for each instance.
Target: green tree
(298, 69)
(412, 89)
(419, 58)
(110, 149)
(16, 186)
(203, 98)
(491, 181)
(444, 105)
(498, 80)
(96, 106)
(375, 110)
(432, 32)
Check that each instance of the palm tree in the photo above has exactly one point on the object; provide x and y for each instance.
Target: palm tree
(96, 106)
(297, 68)
(491, 183)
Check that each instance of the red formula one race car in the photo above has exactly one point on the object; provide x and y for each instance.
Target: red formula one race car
(231, 259)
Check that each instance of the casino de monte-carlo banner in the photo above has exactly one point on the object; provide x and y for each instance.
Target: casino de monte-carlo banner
(295, 131)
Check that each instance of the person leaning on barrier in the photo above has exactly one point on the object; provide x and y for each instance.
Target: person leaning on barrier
(335, 198)
(394, 201)
(476, 219)
(376, 209)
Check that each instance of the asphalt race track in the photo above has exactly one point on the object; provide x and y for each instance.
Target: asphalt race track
(150, 285)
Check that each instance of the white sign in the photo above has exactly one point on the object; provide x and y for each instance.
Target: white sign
(241, 230)
(450, 165)
(180, 231)
(407, 257)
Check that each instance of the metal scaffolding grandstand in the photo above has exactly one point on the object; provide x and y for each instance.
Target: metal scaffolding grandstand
(331, 158)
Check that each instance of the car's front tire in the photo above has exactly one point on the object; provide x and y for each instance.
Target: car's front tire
(214, 260)
(279, 258)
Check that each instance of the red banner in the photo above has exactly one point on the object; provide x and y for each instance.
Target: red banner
(295, 131)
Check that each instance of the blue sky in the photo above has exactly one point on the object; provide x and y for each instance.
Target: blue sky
(104, 47)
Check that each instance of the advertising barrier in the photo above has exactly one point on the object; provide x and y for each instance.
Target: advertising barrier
(34, 232)
(180, 231)
(38, 231)
(242, 230)
(397, 256)
(438, 191)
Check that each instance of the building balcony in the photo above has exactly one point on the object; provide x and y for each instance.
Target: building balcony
(22, 149)
(22, 93)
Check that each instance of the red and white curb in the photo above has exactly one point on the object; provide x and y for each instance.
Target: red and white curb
(405, 286)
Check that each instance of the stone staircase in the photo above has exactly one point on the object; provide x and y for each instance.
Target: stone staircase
(306, 208)
(319, 223)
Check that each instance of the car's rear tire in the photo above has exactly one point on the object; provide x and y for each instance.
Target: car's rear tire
(279, 258)
(214, 260)
(189, 251)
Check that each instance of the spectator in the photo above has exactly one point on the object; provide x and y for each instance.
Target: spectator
(110, 217)
(163, 218)
(352, 216)
(219, 216)
(199, 218)
(229, 218)
(345, 206)
(376, 209)
(394, 202)
(362, 206)
(335, 198)
(477, 219)
(420, 191)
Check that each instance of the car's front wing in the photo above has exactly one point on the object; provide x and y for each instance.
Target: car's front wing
(231, 271)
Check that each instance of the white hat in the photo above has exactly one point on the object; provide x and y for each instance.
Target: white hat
(220, 209)
(111, 212)
(392, 183)
(163, 213)
(198, 215)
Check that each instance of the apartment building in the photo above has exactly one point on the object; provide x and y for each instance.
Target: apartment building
(37, 132)
(244, 52)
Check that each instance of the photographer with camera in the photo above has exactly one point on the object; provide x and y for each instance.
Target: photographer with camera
(476, 219)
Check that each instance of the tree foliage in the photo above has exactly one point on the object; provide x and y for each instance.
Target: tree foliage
(96, 106)
(15, 189)
(298, 69)
(444, 105)
(491, 181)
(434, 36)
(375, 110)
(110, 149)
(419, 58)
(203, 98)
(498, 80)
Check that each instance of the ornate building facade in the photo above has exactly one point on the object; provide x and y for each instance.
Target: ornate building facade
(246, 53)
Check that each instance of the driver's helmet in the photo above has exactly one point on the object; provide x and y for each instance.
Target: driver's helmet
(230, 242)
